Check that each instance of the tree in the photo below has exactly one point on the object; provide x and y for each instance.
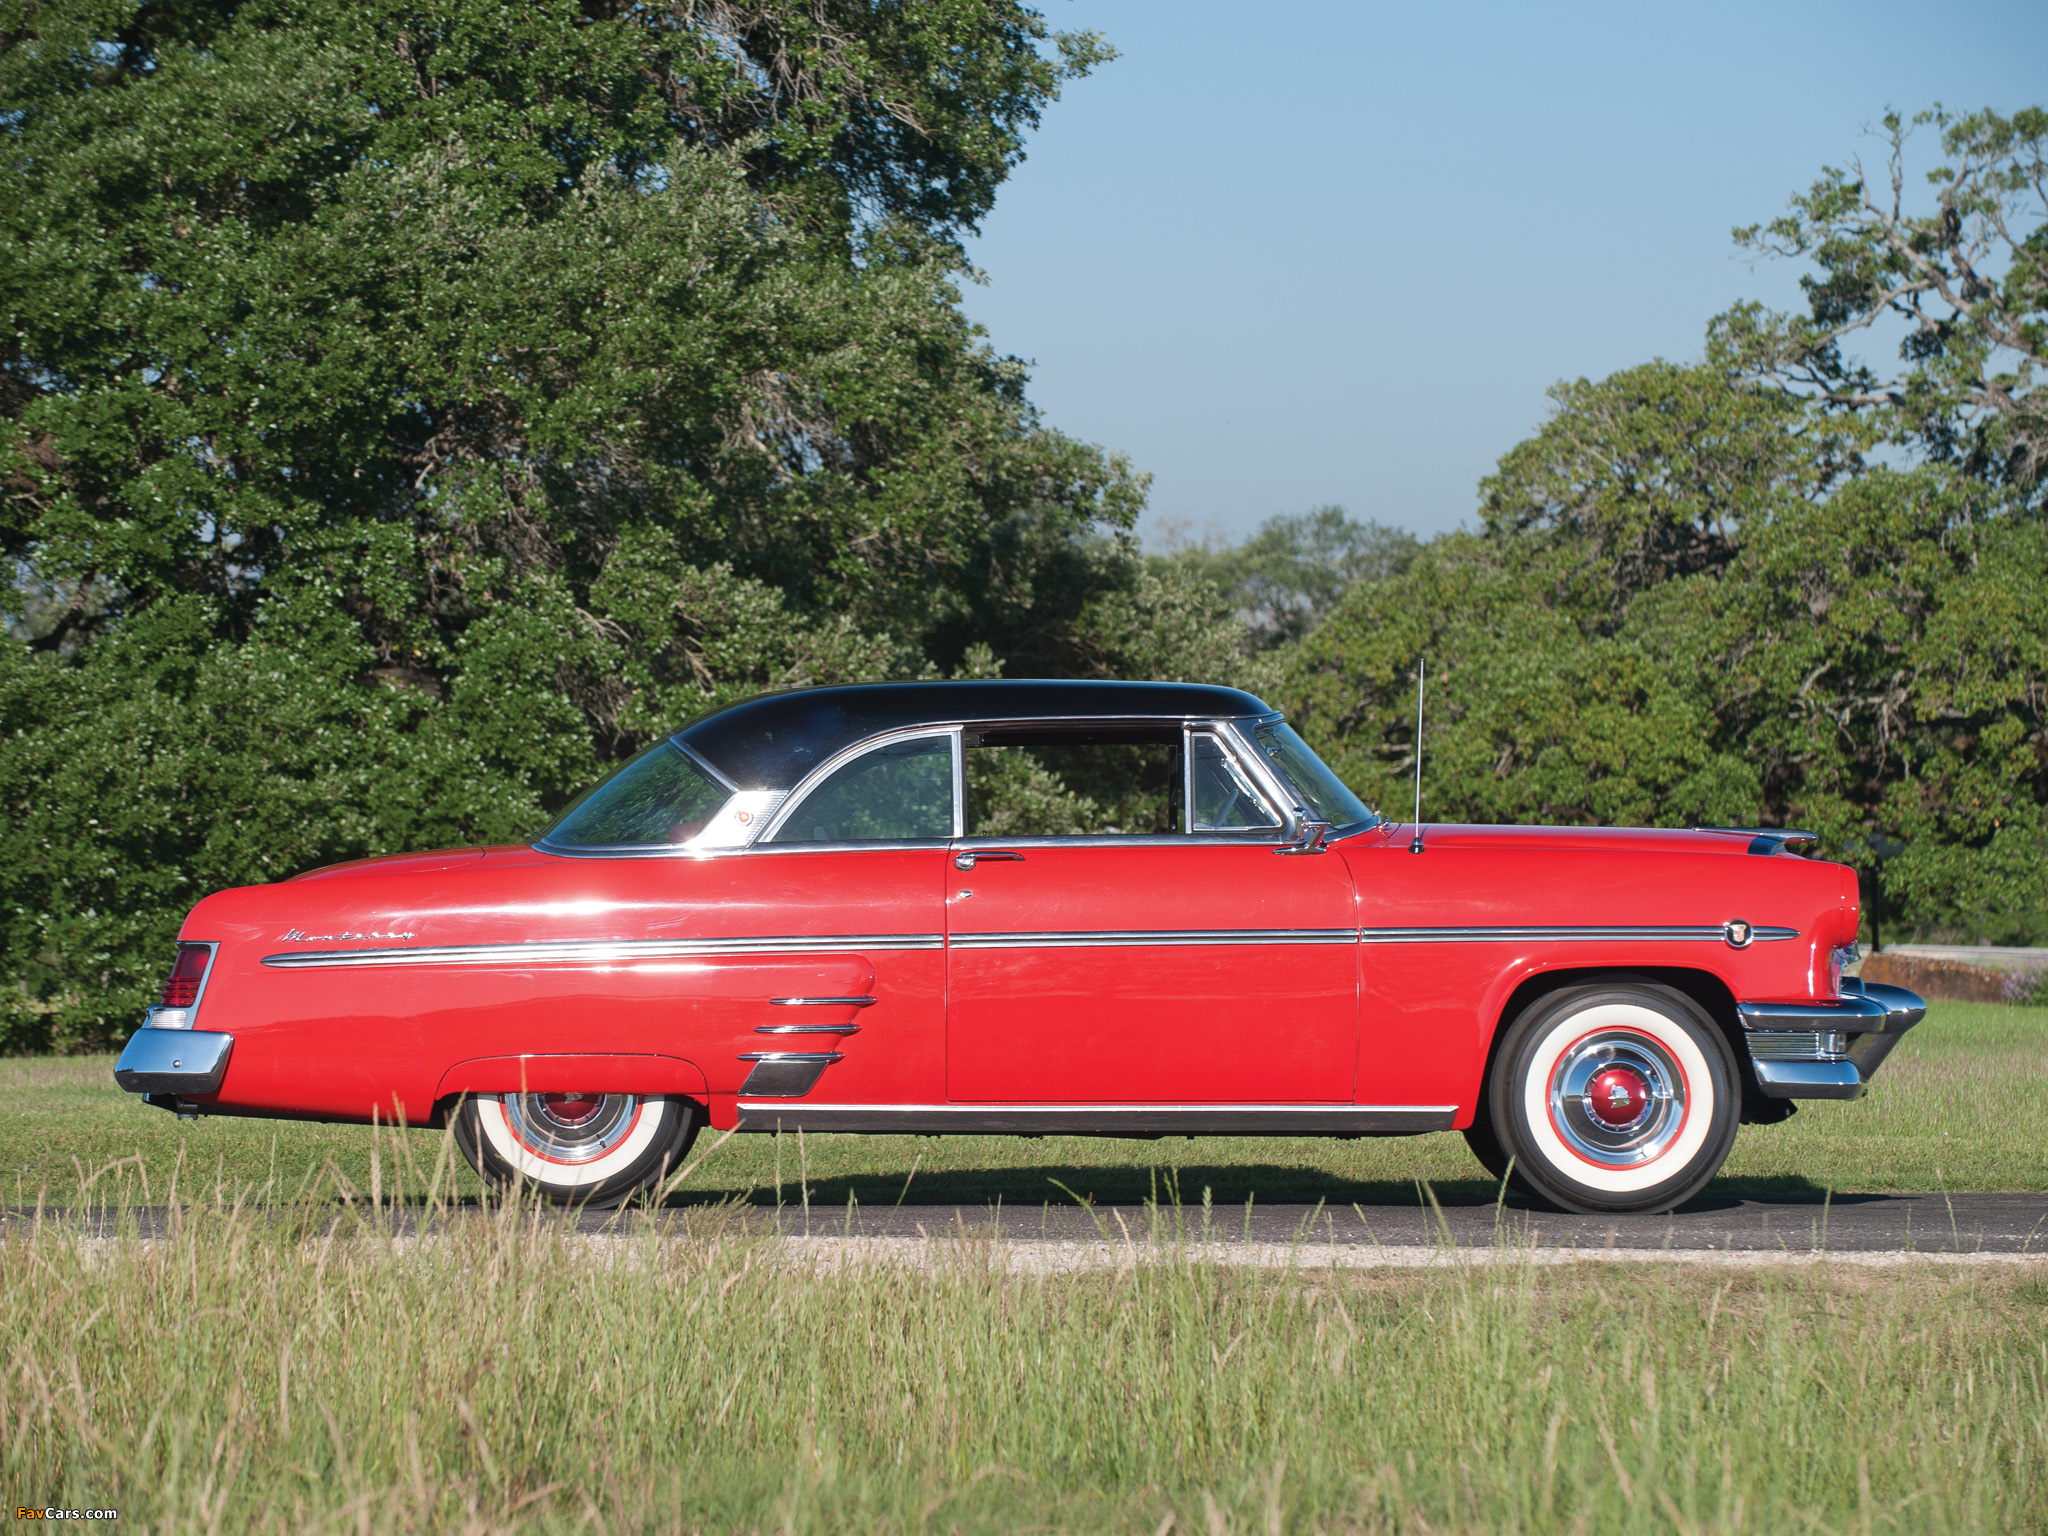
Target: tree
(1286, 578)
(412, 407)
(1776, 587)
(1966, 279)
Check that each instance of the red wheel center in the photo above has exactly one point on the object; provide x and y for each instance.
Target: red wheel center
(1618, 1096)
(570, 1108)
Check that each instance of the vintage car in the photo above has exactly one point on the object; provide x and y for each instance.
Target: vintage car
(1083, 908)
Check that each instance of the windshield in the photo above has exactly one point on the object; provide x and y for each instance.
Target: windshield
(1321, 791)
(659, 797)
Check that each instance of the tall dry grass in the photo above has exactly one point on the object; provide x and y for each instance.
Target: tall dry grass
(282, 1371)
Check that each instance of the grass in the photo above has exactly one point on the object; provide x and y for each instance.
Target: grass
(258, 1373)
(1930, 1121)
(273, 1370)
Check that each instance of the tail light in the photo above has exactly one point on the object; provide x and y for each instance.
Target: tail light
(181, 991)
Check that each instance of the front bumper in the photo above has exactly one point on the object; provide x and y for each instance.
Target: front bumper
(1827, 1050)
(185, 1062)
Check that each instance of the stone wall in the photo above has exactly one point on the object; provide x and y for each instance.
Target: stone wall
(1942, 979)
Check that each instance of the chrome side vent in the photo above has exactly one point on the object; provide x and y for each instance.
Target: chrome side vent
(785, 1074)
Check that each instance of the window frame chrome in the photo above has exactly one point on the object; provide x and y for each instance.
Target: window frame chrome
(816, 778)
(1232, 743)
(1299, 817)
(1294, 816)
(1234, 733)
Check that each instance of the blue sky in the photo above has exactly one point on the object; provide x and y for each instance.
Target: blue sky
(1308, 252)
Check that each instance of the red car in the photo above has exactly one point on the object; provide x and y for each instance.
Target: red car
(1118, 909)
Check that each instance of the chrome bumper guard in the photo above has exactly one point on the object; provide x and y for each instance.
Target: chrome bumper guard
(186, 1062)
(1828, 1050)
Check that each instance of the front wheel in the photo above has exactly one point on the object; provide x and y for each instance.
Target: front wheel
(595, 1149)
(1615, 1097)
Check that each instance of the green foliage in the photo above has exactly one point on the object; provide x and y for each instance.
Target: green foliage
(1832, 644)
(1284, 580)
(1772, 588)
(1530, 718)
(412, 409)
(1967, 280)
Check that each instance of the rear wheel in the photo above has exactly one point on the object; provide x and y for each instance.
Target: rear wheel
(1614, 1097)
(575, 1148)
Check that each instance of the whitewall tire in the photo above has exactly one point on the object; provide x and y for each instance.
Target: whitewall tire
(1622, 1096)
(575, 1148)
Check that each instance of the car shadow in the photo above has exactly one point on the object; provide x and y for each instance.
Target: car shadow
(1221, 1186)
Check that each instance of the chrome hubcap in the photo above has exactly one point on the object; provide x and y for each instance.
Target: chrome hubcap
(571, 1127)
(569, 1109)
(1617, 1098)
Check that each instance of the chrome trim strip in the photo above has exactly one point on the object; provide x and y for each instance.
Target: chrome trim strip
(806, 1029)
(1702, 934)
(633, 851)
(1109, 938)
(904, 845)
(1253, 835)
(602, 951)
(863, 1001)
(1103, 1119)
(802, 1058)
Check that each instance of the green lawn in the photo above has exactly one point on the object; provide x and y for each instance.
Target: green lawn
(1962, 1104)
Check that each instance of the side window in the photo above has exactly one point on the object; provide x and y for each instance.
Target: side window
(1052, 782)
(661, 796)
(1220, 797)
(896, 793)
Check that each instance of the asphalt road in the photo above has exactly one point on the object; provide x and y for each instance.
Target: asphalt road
(1793, 1224)
(1928, 1223)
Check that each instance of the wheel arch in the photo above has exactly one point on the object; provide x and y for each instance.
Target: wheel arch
(1703, 987)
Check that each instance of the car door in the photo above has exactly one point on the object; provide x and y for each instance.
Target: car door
(1189, 962)
(861, 853)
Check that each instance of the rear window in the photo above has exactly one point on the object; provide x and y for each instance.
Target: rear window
(660, 797)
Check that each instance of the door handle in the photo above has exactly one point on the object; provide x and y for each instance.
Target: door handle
(967, 858)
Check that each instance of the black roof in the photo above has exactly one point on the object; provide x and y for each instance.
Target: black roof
(773, 741)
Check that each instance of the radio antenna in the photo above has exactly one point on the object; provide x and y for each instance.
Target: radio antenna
(1421, 670)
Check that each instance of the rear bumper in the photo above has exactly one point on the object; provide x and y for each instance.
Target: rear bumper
(186, 1062)
(1827, 1050)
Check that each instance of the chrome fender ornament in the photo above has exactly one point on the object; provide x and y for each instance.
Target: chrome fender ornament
(1738, 933)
